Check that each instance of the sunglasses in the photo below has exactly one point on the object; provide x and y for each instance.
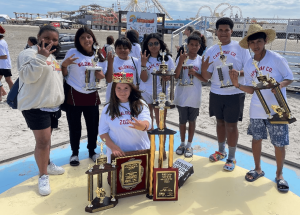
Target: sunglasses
(151, 44)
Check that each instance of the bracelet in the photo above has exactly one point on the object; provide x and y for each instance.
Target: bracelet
(144, 68)
(239, 73)
(239, 86)
(145, 128)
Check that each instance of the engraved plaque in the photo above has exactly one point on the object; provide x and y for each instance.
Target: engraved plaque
(165, 184)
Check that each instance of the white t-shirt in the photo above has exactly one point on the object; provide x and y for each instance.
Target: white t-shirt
(4, 63)
(135, 51)
(76, 72)
(128, 139)
(151, 64)
(236, 55)
(128, 67)
(189, 96)
(277, 67)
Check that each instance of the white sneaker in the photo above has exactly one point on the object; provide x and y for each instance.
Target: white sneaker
(52, 169)
(44, 185)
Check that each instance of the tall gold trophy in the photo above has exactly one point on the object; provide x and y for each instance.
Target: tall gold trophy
(101, 202)
(282, 111)
(162, 103)
(92, 83)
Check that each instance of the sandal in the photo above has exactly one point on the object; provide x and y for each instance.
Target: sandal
(217, 156)
(254, 175)
(282, 185)
(229, 165)
(94, 157)
(188, 152)
(180, 150)
(74, 160)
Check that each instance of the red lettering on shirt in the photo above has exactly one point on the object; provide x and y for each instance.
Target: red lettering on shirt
(85, 64)
(261, 68)
(226, 53)
(126, 67)
(153, 65)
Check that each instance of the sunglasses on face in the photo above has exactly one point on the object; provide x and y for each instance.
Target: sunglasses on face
(151, 44)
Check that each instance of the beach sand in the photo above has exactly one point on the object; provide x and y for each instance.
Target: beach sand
(17, 139)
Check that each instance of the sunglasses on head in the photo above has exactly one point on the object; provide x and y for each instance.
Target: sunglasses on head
(151, 44)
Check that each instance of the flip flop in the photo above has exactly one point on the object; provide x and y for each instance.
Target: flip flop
(180, 150)
(254, 175)
(282, 185)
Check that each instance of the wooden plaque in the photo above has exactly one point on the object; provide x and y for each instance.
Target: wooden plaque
(132, 173)
(165, 184)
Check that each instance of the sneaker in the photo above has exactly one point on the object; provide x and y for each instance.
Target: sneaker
(44, 185)
(52, 169)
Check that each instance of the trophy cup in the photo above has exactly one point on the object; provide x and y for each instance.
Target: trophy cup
(185, 66)
(223, 59)
(89, 86)
(154, 174)
(282, 111)
(101, 202)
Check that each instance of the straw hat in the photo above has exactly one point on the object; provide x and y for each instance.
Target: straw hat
(255, 28)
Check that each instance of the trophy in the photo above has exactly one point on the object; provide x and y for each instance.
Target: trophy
(282, 111)
(101, 202)
(161, 131)
(185, 66)
(102, 158)
(223, 59)
(91, 86)
(163, 67)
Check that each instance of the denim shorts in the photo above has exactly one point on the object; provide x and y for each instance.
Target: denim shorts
(279, 133)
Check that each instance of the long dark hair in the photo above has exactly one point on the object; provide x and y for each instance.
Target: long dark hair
(133, 36)
(135, 103)
(78, 46)
(163, 46)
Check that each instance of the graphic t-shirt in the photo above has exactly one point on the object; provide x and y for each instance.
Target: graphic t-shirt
(128, 67)
(4, 63)
(189, 96)
(277, 67)
(128, 139)
(76, 72)
(236, 55)
(135, 51)
(151, 64)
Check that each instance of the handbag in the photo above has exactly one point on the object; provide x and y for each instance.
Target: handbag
(12, 97)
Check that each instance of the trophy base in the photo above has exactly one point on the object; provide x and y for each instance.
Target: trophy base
(107, 204)
(226, 86)
(94, 88)
(149, 196)
(283, 120)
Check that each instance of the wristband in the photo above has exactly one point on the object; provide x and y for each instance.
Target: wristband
(144, 68)
(239, 86)
(239, 74)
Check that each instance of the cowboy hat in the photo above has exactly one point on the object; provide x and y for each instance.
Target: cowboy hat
(256, 28)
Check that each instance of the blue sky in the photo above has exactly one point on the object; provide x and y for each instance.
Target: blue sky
(177, 8)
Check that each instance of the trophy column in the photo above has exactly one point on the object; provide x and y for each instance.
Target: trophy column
(90, 190)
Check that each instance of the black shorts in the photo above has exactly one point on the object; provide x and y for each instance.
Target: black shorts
(227, 107)
(187, 114)
(39, 120)
(5, 72)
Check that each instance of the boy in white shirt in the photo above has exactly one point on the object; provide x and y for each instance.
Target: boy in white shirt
(276, 66)
(188, 97)
(226, 104)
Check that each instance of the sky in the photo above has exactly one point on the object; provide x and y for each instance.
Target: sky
(178, 9)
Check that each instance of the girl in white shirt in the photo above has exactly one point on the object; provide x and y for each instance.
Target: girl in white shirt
(78, 100)
(151, 59)
(133, 36)
(125, 119)
(122, 63)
